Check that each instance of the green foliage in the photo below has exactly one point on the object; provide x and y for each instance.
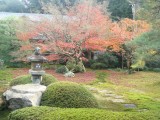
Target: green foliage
(4, 114)
(143, 101)
(30, 113)
(150, 11)
(48, 113)
(5, 75)
(8, 40)
(75, 67)
(98, 65)
(48, 79)
(19, 65)
(62, 70)
(156, 69)
(106, 60)
(139, 64)
(120, 9)
(109, 59)
(146, 49)
(12, 6)
(68, 95)
(89, 63)
(25, 79)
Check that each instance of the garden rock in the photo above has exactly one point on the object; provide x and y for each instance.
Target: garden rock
(130, 106)
(69, 74)
(24, 95)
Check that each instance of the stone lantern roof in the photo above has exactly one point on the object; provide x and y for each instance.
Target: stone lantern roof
(37, 57)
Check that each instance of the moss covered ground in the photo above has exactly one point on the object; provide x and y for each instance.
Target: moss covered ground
(140, 88)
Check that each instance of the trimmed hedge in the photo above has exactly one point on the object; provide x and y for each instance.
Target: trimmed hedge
(30, 113)
(48, 113)
(68, 95)
(25, 79)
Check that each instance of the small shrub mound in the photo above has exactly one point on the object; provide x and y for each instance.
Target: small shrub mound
(68, 95)
(25, 79)
(62, 70)
(48, 113)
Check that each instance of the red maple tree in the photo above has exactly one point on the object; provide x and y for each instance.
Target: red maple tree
(84, 27)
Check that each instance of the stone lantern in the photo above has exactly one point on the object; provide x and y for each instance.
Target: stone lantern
(36, 66)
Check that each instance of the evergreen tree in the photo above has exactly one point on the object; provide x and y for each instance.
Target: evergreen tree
(8, 40)
(120, 9)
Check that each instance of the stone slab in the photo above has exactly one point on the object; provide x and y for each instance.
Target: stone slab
(27, 95)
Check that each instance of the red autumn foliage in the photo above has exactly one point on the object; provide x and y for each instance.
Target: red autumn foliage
(83, 28)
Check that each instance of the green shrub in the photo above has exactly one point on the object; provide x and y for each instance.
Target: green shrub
(30, 113)
(98, 66)
(48, 113)
(5, 75)
(25, 79)
(156, 69)
(89, 63)
(48, 79)
(51, 66)
(109, 59)
(68, 95)
(62, 69)
(19, 65)
(72, 66)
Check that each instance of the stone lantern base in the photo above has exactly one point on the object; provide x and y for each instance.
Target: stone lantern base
(36, 76)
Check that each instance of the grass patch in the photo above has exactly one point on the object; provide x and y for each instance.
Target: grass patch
(143, 101)
(5, 75)
(101, 76)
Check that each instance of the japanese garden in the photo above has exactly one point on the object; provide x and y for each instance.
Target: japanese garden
(79, 59)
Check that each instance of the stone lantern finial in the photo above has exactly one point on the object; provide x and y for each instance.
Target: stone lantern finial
(37, 51)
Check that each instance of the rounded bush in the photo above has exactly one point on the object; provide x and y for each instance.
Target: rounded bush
(68, 95)
(48, 79)
(48, 113)
(25, 79)
(62, 69)
(156, 69)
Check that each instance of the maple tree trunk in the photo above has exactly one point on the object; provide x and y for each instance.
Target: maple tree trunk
(75, 63)
(129, 65)
(83, 67)
(89, 55)
(122, 61)
(80, 64)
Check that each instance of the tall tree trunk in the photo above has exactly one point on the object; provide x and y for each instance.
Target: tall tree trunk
(89, 55)
(122, 61)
